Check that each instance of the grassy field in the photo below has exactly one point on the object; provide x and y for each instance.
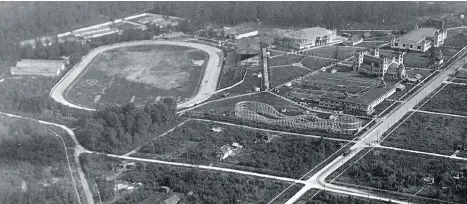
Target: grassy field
(33, 166)
(315, 63)
(456, 39)
(288, 59)
(140, 72)
(369, 44)
(331, 51)
(280, 75)
(340, 82)
(262, 152)
(429, 133)
(206, 186)
(451, 99)
(403, 172)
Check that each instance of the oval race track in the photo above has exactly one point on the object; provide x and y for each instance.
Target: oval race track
(206, 88)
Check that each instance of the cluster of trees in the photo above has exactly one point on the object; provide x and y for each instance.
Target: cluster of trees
(118, 129)
(208, 187)
(28, 150)
(399, 172)
(327, 198)
(270, 157)
(27, 95)
(27, 20)
(329, 14)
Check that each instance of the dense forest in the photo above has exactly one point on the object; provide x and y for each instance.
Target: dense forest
(30, 157)
(120, 129)
(26, 20)
(208, 187)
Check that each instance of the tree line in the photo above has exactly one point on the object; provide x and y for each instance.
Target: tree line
(119, 129)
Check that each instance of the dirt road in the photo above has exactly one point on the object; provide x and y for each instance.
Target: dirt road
(205, 90)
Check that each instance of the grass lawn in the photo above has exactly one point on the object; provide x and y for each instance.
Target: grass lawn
(457, 40)
(331, 51)
(415, 71)
(340, 82)
(231, 76)
(288, 59)
(429, 133)
(451, 99)
(248, 83)
(143, 73)
(315, 63)
(369, 44)
(327, 197)
(402, 172)
(262, 152)
(280, 75)
(207, 186)
(33, 166)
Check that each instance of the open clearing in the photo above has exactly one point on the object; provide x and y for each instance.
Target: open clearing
(146, 72)
(429, 133)
(280, 75)
(403, 172)
(334, 52)
(262, 152)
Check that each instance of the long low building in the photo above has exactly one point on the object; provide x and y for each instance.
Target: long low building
(364, 103)
(420, 39)
(49, 68)
(309, 37)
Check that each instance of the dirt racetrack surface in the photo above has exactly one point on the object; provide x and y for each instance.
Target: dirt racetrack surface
(206, 88)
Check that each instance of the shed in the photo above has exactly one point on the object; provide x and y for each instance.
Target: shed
(172, 200)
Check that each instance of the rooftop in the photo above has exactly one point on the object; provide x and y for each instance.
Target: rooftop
(32, 65)
(419, 34)
(309, 33)
(364, 99)
(248, 46)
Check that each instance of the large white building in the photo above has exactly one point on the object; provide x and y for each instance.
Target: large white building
(420, 39)
(309, 37)
(371, 63)
(240, 33)
(49, 68)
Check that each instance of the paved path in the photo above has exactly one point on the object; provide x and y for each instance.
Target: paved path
(206, 88)
(438, 113)
(78, 150)
(372, 135)
(453, 156)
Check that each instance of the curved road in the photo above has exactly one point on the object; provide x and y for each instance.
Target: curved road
(78, 150)
(206, 88)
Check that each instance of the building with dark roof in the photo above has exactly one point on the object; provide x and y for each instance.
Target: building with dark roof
(364, 103)
(172, 200)
(248, 50)
(371, 63)
(420, 39)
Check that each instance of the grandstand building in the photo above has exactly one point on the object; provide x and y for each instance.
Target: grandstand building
(371, 63)
(48, 68)
(420, 39)
(364, 103)
(248, 50)
(309, 37)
